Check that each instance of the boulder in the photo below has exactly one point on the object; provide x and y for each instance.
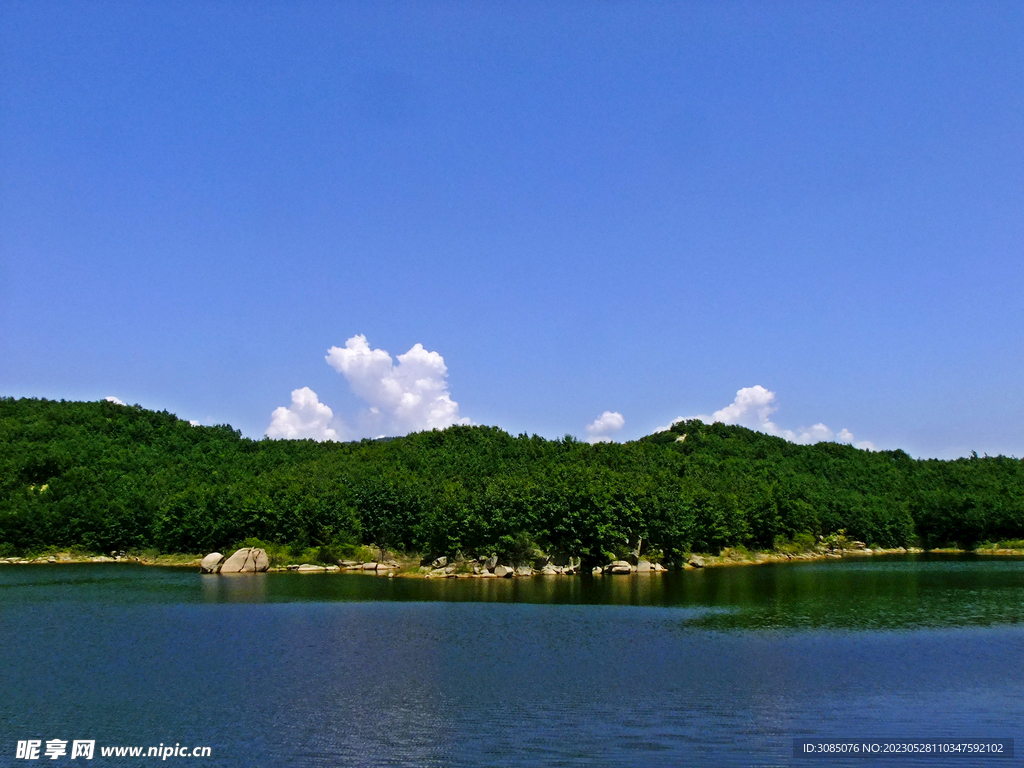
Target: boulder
(487, 575)
(211, 563)
(440, 562)
(451, 568)
(503, 571)
(643, 566)
(696, 561)
(550, 570)
(491, 563)
(292, 567)
(246, 560)
(310, 568)
(437, 573)
(597, 570)
(620, 567)
(347, 563)
(369, 566)
(524, 570)
(385, 567)
(658, 567)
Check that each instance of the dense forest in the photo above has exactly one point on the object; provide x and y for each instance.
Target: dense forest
(102, 476)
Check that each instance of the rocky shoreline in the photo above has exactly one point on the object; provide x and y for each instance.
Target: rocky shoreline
(254, 560)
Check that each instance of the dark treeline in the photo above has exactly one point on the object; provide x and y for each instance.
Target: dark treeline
(102, 476)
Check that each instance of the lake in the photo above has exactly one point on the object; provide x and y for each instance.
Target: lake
(723, 666)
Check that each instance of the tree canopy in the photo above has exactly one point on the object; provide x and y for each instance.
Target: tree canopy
(102, 476)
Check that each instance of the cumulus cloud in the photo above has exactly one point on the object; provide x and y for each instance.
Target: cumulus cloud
(598, 429)
(115, 400)
(408, 396)
(753, 408)
(306, 418)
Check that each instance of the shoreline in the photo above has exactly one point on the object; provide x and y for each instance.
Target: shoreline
(408, 568)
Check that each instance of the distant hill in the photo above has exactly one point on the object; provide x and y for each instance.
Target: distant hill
(103, 476)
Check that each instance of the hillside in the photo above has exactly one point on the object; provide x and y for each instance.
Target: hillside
(101, 476)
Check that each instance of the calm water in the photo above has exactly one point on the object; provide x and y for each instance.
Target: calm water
(714, 667)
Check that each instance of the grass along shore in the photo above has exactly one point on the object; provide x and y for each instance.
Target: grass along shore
(411, 565)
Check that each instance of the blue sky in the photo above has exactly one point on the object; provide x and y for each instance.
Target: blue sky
(633, 208)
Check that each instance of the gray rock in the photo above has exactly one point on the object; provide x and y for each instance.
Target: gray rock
(211, 563)
(597, 570)
(310, 568)
(621, 567)
(643, 566)
(696, 561)
(347, 563)
(524, 570)
(451, 568)
(369, 566)
(440, 562)
(246, 560)
(550, 570)
(437, 573)
(491, 563)
(658, 567)
(503, 571)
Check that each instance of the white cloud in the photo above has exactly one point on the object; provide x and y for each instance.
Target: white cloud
(306, 418)
(193, 422)
(409, 396)
(115, 400)
(753, 407)
(609, 421)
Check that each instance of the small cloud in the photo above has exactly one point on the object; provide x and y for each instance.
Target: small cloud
(115, 400)
(753, 407)
(609, 421)
(307, 418)
(193, 422)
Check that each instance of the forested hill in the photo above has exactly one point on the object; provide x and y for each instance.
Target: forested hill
(103, 476)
